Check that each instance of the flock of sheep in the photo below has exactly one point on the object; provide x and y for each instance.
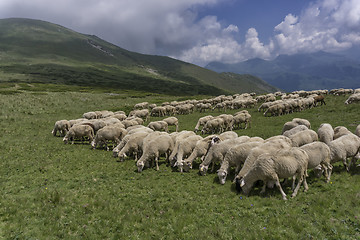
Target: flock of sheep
(284, 156)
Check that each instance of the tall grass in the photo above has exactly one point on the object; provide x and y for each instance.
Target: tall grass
(54, 191)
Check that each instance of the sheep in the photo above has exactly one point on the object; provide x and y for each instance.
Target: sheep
(96, 124)
(340, 131)
(79, 131)
(153, 150)
(294, 130)
(177, 138)
(120, 116)
(77, 121)
(302, 121)
(319, 154)
(130, 122)
(61, 126)
(158, 126)
(185, 148)
(172, 121)
(295, 122)
(202, 121)
(242, 118)
(270, 145)
(285, 163)
(110, 121)
(353, 98)
(228, 135)
(275, 110)
(108, 133)
(319, 98)
(357, 131)
(133, 145)
(228, 121)
(234, 157)
(325, 133)
(303, 137)
(141, 105)
(215, 125)
(158, 112)
(344, 147)
(90, 115)
(217, 152)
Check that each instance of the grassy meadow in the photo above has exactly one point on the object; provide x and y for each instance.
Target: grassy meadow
(50, 190)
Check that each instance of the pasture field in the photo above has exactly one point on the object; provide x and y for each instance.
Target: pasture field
(50, 190)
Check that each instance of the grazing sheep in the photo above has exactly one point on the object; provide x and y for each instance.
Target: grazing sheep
(242, 118)
(152, 150)
(202, 121)
(319, 155)
(130, 122)
(177, 138)
(143, 114)
(294, 130)
(158, 112)
(133, 145)
(108, 133)
(270, 145)
(340, 131)
(302, 121)
(141, 105)
(295, 122)
(228, 121)
(303, 137)
(285, 163)
(90, 115)
(235, 157)
(325, 133)
(345, 147)
(319, 98)
(185, 148)
(354, 98)
(158, 126)
(199, 151)
(96, 124)
(78, 132)
(61, 126)
(216, 153)
(229, 135)
(172, 121)
(213, 126)
(120, 116)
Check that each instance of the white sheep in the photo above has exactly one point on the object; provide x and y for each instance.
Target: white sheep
(354, 98)
(78, 132)
(177, 138)
(61, 126)
(213, 126)
(108, 133)
(185, 148)
(235, 157)
(319, 156)
(241, 118)
(172, 121)
(202, 121)
(158, 126)
(357, 131)
(325, 133)
(294, 130)
(285, 163)
(303, 137)
(90, 115)
(295, 122)
(216, 153)
(340, 131)
(345, 147)
(133, 145)
(162, 144)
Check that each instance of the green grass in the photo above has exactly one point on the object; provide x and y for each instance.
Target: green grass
(54, 191)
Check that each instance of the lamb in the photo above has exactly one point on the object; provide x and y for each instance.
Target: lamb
(158, 126)
(344, 147)
(79, 131)
(285, 163)
(172, 121)
(152, 150)
(294, 130)
(61, 126)
(217, 152)
(202, 121)
(340, 131)
(185, 148)
(235, 157)
(325, 133)
(319, 154)
(108, 133)
(270, 145)
(133, 145)
(303, 137)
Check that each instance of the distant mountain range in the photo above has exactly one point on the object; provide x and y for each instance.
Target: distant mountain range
(38, 51)
(320, 70)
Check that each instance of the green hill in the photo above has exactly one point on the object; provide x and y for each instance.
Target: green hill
(38, 51)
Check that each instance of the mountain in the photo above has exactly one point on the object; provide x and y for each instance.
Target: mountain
(38, 51)
(320, 70)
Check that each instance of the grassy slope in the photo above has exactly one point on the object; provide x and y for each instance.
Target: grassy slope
(38, 51)
(54, 191)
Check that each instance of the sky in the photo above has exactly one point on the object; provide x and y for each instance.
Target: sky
(202, 31)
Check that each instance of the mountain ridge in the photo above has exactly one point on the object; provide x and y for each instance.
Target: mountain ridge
(35, 50)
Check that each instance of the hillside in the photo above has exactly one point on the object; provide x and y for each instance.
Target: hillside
(319, 70)
(38, 51)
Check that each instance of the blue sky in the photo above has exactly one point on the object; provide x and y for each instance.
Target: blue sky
(201, 31)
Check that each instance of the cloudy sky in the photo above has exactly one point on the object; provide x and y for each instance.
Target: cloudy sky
(201, 31)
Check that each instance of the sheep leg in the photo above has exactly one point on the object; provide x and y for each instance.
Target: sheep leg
(277, 183)
(157, 163)
(263, 188)
(301, 179)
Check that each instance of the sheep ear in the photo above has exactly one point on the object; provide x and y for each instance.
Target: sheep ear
(242, 182)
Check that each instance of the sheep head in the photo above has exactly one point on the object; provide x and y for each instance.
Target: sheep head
(203, 169)
(222, 174)
(140, 165)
